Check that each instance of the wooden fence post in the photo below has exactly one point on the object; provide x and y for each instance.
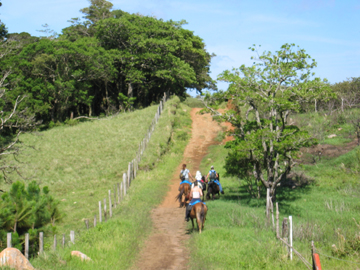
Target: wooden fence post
(114, 196)
(26, 246)
(284, 233)
(55, 242)
(129, 175)
(41, 242)
(72, 237)
(105, 214)
(124, 183)
(118, 192)
(94, 220)
(86, 223)
(110, 206)
(100, 215)
(277, 221)
(291, 236)
(8, 240)
(63, 241)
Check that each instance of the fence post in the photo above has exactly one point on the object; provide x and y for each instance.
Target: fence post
(26, 246)
(291, 236)
(72, 237)
(124, 183)
(114, 196)
(55, 242)
(110, 206)
(8, 238)
(41, 242)
(86, 223)
(63, 241)
(118, 192)
(105, 214)
(94, 220)
(100, 215)
(277, 221)
(129, 174)
(121, 191)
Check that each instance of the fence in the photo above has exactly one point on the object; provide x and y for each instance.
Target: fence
(119, 190)
(287, 235)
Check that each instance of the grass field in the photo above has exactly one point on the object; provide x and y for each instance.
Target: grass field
(237, 236)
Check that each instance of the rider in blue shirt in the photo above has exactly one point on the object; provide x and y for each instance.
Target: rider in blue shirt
(211, 174)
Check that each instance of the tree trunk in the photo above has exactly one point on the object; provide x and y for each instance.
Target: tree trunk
(130, 90)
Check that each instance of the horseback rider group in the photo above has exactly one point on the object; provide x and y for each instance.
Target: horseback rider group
(198, 186)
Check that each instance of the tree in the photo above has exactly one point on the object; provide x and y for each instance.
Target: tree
(154, 55)
(262, 97)
(14, 119)
(98, 10)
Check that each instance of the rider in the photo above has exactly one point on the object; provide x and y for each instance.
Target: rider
(200, 179)
(184, 175)
(195, 195)
(213, 173)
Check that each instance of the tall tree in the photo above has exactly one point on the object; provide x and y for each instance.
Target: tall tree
(155, 56)
(263, 96)
(98, 10)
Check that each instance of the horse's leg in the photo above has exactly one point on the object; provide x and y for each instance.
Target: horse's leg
(198, 219)
(192, 221)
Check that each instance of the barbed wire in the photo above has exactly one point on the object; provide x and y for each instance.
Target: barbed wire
(336, 258)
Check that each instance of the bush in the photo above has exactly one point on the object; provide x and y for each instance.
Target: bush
(25, 210)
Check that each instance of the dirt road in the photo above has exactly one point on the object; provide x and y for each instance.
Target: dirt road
(165, 248)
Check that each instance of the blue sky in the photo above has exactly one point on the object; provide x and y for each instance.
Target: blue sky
(327, 29)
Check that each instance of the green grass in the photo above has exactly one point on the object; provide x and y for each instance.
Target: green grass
(320, 125)
(237, 236)
(194, 102)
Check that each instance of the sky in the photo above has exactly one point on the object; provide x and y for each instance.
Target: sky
(327, 29)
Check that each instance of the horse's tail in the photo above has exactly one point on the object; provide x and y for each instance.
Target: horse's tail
(178, 197)
(202, 213)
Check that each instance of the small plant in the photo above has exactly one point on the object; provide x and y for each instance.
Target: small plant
(347, 246)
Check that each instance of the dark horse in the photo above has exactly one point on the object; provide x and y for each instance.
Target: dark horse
(198, 211)
(213, 189)
(184, 190)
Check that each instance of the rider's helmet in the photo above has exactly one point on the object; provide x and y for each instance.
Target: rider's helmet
(212, 167)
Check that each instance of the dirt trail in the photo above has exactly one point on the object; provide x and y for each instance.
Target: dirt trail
(165, 248)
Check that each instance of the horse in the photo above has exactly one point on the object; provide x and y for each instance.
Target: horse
(184, 190)
(213, 189)
(198, 211)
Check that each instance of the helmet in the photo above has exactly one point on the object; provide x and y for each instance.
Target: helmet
(212, 166)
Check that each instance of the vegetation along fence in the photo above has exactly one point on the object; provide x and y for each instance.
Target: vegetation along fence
(119, 190)
(286, 237)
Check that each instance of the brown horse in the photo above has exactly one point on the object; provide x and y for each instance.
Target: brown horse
(184, 190)
(198, 211)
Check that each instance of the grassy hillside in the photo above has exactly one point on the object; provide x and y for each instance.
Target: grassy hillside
(82, 162)
(236, 234)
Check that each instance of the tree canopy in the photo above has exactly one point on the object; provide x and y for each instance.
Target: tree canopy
(96, 62)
